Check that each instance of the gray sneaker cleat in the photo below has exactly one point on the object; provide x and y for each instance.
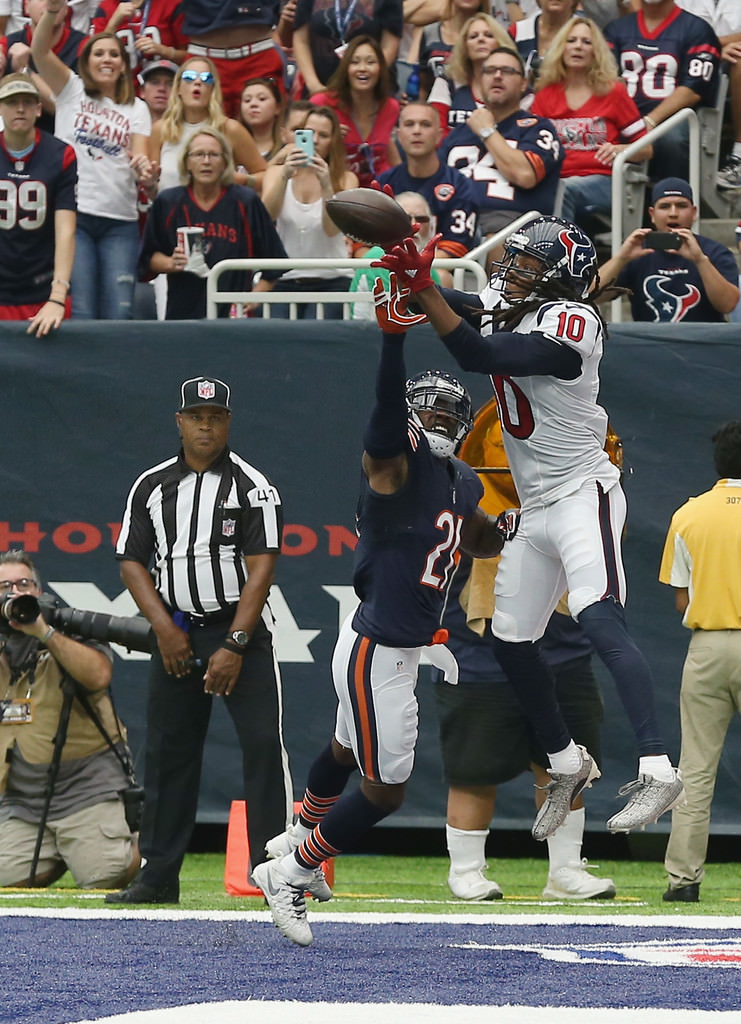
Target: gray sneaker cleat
(286, 901)
(563, 789)
(650, 798)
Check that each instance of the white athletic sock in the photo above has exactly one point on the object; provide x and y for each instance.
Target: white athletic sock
(466, 849)
(566, 761)
(658, 765)
(737, 148)
(301, 832)
(564, 846)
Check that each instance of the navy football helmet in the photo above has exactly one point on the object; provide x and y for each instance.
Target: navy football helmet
(567, 255)
(439, 392)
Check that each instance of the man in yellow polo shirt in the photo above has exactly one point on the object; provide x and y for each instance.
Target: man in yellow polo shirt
(702, 561)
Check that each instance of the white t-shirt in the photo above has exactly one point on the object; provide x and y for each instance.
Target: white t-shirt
(723, 15)
(100, 132)
(170, 156)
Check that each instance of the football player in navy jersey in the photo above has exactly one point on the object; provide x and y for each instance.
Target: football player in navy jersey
(38, 181)
(449, 193)
(669, 60)
(512, 157)
(539, 336)
(695, 281)
(418, 505)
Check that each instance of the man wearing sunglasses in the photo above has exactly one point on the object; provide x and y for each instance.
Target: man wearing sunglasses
(237, 36)
(512, 157)
(86, 830)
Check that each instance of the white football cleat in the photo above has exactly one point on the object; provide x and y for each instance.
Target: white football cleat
(473, 885)
(650, 798)
(282, 844)
(573, 882)
(286, 901)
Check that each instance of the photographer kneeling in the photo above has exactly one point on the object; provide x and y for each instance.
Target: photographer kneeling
(46, 678)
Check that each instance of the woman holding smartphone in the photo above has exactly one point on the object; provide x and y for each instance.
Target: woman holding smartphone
(295, 193)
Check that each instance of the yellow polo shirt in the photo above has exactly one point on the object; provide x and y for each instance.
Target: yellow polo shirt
(702, 552)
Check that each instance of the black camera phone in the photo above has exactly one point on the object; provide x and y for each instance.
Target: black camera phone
(662, 240)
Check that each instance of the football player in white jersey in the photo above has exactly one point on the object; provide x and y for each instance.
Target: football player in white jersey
(539, 336)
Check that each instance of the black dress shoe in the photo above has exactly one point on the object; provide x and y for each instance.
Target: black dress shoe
(140, 892)
(683, 894)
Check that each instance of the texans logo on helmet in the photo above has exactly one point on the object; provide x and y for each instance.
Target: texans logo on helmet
(578, 251)
(669, 306)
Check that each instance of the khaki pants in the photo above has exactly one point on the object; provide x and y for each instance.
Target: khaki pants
(709, 698)
(95, 844)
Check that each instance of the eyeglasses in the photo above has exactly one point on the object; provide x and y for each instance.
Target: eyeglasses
(22, 585)
(200, 154)
(507, 72)
(192, 76)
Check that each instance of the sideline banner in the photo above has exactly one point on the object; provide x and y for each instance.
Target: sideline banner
(87, 411)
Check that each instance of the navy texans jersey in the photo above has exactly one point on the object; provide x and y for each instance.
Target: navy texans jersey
(203, 16)
(451, 198)
(683, 50)
(161, 20)
(407, 547)
(669, 288)
(237, 227)
(32, 188)
(454, 106)
(535, 137)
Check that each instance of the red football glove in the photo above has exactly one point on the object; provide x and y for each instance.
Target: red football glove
(412, 268)
(378, 187)
(391, 307)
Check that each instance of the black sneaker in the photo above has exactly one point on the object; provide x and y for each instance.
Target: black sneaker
(141, 892)
(683, 894)
(729, 176)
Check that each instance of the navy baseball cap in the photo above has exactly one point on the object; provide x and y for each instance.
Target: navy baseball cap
(671, 187)
(204, 391)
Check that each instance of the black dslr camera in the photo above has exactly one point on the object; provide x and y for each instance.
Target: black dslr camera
(133, 801)
(132, 632)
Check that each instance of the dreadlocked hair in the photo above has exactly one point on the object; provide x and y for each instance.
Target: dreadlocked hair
(551, 291)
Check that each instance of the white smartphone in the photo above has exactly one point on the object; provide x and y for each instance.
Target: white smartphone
(304, 139)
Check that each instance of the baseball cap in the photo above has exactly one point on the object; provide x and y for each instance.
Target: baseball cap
(16, 85)
(204, 391)
(671, 187)
(156, 65)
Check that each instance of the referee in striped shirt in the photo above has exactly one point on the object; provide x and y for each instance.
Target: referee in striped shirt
(210, 525)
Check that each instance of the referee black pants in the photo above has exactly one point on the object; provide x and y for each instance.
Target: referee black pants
(178, 714)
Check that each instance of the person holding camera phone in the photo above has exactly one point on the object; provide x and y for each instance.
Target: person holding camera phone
(85, 827)
(211, 524)
(673, 273)
(311, 168)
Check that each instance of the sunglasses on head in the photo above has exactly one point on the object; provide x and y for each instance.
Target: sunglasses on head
(192, 76)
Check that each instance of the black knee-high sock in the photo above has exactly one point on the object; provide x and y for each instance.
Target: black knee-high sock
(340, 829)
(604, 624)
(325, 784)
(535, 686)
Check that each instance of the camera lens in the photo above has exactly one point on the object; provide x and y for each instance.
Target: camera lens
(24, 608)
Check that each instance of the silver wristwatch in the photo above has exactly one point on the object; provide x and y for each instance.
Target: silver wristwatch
(486, 132)
(239, 637)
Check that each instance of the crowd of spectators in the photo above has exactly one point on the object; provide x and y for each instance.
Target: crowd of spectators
(534, 102)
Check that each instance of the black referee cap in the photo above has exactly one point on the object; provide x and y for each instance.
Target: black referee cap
(204, 391)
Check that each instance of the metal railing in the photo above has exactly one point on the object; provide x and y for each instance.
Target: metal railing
(214, 297)
(619, 180)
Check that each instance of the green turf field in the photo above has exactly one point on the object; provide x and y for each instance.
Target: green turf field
(418, 885)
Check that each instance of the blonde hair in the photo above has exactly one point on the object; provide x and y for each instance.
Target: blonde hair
(602, 74)
(173, 119)
(227, 175)
(459, 66)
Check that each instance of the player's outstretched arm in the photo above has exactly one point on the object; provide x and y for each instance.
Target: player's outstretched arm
(385, 438)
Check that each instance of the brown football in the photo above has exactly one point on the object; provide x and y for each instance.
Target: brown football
(369, 216)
